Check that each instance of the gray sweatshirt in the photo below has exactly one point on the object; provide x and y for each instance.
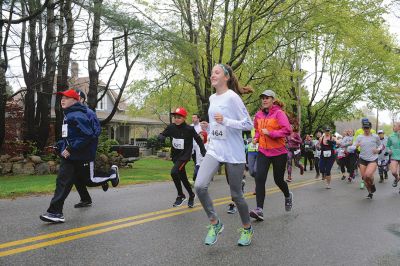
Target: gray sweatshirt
(367, 146)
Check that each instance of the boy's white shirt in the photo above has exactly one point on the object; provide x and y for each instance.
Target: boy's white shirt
(197, 128)
(199, 157)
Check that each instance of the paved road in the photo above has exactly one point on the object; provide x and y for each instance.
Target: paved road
(135, 225)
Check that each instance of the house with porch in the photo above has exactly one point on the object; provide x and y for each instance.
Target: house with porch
(123, 128)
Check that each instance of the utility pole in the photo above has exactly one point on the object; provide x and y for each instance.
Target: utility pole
(299, 82)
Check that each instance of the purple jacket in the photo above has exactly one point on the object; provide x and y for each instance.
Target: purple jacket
(294, 141)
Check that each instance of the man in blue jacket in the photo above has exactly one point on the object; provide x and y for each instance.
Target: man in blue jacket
(77, 150)
(81, 183)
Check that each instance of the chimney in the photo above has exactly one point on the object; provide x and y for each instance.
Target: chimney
(74, 70)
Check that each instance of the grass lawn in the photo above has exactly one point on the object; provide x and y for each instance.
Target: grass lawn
(145, 170)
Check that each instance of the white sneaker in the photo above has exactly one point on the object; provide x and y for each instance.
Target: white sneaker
(115, 181)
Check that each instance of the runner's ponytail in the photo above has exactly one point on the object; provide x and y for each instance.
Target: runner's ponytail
(233, 82)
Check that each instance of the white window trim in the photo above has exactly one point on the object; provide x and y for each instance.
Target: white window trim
(104, 100)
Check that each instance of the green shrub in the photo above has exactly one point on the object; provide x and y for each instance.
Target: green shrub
(105, 144)
(153, 142)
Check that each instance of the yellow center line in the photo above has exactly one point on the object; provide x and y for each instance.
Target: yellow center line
(158, 215)
(94, 226)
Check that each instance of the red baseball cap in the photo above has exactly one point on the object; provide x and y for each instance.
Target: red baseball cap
(180, 111)
(71, 93)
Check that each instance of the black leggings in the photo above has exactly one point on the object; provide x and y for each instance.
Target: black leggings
(178, 173)
(316, 164)
(342, 164)
(325, 165)
(278, 167)
(309, 156)
(351, 160)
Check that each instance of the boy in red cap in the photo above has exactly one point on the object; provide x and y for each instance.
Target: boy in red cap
(96, 177)
(182, 136)
(77, 150)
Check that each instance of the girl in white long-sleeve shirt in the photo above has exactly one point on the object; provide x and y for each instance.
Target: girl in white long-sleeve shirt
(228, 117)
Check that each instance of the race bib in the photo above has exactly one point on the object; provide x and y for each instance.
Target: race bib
(218, 131)
(381, 162)
(306, 146)
(252, 146)
(318, 153)
(340, 153)
(327, 153)
(178, 144)
(64, 130)
(296, 152)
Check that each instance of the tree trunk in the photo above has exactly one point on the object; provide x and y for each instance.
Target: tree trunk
(94, 44)
(3, 82)
(64, 56)
(44, 101)
(31, 77)
(3, 50)
(3, 97)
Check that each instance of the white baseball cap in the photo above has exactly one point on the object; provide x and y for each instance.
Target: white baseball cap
(268, 93)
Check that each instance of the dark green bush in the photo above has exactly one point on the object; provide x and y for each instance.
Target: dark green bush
(153, 142)
(105, 144)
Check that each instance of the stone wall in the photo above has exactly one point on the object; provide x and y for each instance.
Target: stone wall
(19, 165)
(34, 165)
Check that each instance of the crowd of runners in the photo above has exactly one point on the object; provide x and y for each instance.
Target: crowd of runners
(229, 137)
(233, 139)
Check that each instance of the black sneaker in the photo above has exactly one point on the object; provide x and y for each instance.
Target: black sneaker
(373, 188)
(381, 179)
(257, 214)
(52, 217)
(179, 201)
(115, 181)
(395, 182)
(289, 202)
(343, 177)
(231, 208)
(105, 186)
(83, 204)
(370, 196)
(191, 201)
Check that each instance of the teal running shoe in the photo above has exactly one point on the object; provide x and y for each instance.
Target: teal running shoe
(362, 184)
(245, 236)
(213, 232)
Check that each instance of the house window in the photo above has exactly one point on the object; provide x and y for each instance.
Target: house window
(123, 134)
(102, 105)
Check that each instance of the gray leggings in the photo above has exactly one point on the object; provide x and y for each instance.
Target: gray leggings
(208, 168)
